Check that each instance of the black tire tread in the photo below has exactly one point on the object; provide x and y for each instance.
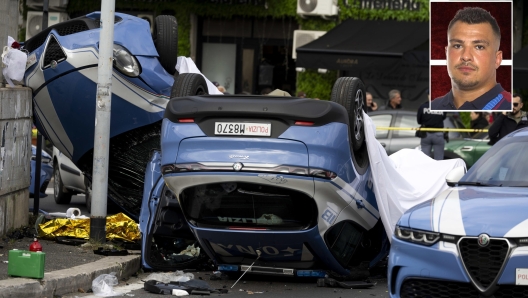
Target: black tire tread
(186, 84)
(166, 41)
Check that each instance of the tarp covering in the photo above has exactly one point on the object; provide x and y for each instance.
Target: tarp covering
(404, 179)
(119, 226)
(357, 44)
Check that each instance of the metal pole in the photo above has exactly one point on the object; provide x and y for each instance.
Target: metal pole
(36, 187)
(102, 124)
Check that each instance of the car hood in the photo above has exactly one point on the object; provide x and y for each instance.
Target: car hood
(496, 211)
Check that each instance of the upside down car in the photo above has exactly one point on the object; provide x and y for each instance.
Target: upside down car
(267, 179)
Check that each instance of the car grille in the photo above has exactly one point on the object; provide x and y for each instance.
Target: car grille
(424, 288)
(72, 28)
(54, 52)
(483, 263)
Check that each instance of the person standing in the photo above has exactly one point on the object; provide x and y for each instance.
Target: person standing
(478, 121)
(506, 123)
(371, 105)
(433, 140)
(394, 100)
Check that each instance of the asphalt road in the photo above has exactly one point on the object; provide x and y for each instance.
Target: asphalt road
(257, 285)
(48, 203)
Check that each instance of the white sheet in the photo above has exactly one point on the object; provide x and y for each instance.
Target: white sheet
(186, 65)
(404, 179)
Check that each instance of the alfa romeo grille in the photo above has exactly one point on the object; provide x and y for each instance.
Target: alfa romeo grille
(425, 288)
(72, 28)
(53, 53)
(483, 263)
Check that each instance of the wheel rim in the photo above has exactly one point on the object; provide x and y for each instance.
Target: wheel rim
(56, 177)
(358, 107)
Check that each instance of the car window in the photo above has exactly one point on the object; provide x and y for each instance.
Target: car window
(405, 121)
(381, 121)
(504, 165)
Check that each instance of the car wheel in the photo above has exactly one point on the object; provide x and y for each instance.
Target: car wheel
(166, 41)
(189, 84)
(350, 93)
(88, 194)
(60, 196)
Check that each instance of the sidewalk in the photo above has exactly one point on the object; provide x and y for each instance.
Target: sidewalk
(67, 269)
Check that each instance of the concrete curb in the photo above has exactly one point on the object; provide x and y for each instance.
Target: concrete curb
(69, 280)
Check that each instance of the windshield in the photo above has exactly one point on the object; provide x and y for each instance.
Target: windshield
(505, 164)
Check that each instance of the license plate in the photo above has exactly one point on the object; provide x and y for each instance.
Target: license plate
(521, 276)
(242, 129)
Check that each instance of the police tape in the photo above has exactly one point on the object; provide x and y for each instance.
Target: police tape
(432, 129)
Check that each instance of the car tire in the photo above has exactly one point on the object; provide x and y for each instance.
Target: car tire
(166, 41)
(189, 84)
(350, 93)
(59, 194)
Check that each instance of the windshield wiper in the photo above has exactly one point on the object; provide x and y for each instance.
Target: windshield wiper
(477, 183)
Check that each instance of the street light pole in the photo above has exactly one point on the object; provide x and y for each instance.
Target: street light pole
(102, 124)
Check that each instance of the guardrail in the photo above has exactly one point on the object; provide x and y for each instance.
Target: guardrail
(432, 129)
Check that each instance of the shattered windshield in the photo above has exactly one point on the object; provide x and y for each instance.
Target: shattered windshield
(505, 164)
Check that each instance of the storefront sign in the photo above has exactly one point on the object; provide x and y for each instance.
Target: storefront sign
(390, 4)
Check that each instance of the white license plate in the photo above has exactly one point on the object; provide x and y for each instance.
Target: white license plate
(521, 276)
(242, 129)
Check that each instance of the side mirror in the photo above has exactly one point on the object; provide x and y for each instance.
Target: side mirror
(455, 175)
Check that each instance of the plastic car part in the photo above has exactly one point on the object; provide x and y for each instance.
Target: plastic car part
(350, 93)
(166, 41)
(59, 194)
(189, 84)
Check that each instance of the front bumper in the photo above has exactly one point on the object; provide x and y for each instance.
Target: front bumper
(437, 270)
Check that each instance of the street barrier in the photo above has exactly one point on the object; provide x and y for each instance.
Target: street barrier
(432, 129)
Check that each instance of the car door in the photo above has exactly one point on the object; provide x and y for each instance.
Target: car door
(403, 138)
(383, 136)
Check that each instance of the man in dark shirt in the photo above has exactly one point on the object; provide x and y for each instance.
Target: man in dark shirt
(435, 139)
(473, 57)
(508, 122)
(394, 100)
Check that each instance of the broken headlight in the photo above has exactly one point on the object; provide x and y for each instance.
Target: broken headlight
(125, 62)
(416, 236)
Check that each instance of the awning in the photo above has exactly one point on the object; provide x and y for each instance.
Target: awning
(520, 69)
(357, 45)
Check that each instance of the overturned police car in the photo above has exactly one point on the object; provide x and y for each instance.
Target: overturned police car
(279, 183)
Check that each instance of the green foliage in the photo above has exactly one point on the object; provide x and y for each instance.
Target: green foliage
(354, 11)
(316, 85)
(466, 119)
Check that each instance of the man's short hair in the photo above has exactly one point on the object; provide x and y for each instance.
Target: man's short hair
(393, 93)
(476, 15)
(367, 93)
(516, 95)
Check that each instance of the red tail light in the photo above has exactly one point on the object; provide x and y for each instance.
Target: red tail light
(304, 123)
(186, 120)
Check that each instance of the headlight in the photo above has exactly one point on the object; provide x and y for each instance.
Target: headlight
(416, 236)
(124, 62)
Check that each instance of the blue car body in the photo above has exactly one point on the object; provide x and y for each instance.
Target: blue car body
(299, 204)
(478, 233)
(46, 172)
(62, 71)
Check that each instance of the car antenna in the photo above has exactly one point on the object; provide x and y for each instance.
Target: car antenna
(258, 256)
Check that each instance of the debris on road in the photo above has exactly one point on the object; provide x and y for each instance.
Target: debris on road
(103, 285)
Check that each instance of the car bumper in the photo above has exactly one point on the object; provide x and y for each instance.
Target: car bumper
(438, 268)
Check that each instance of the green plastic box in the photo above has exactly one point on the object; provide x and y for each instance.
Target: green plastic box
(26, 263)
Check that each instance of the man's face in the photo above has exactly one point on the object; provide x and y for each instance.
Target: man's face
(396, 99)
(517, 105)
(472, 55)
(369, 99)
